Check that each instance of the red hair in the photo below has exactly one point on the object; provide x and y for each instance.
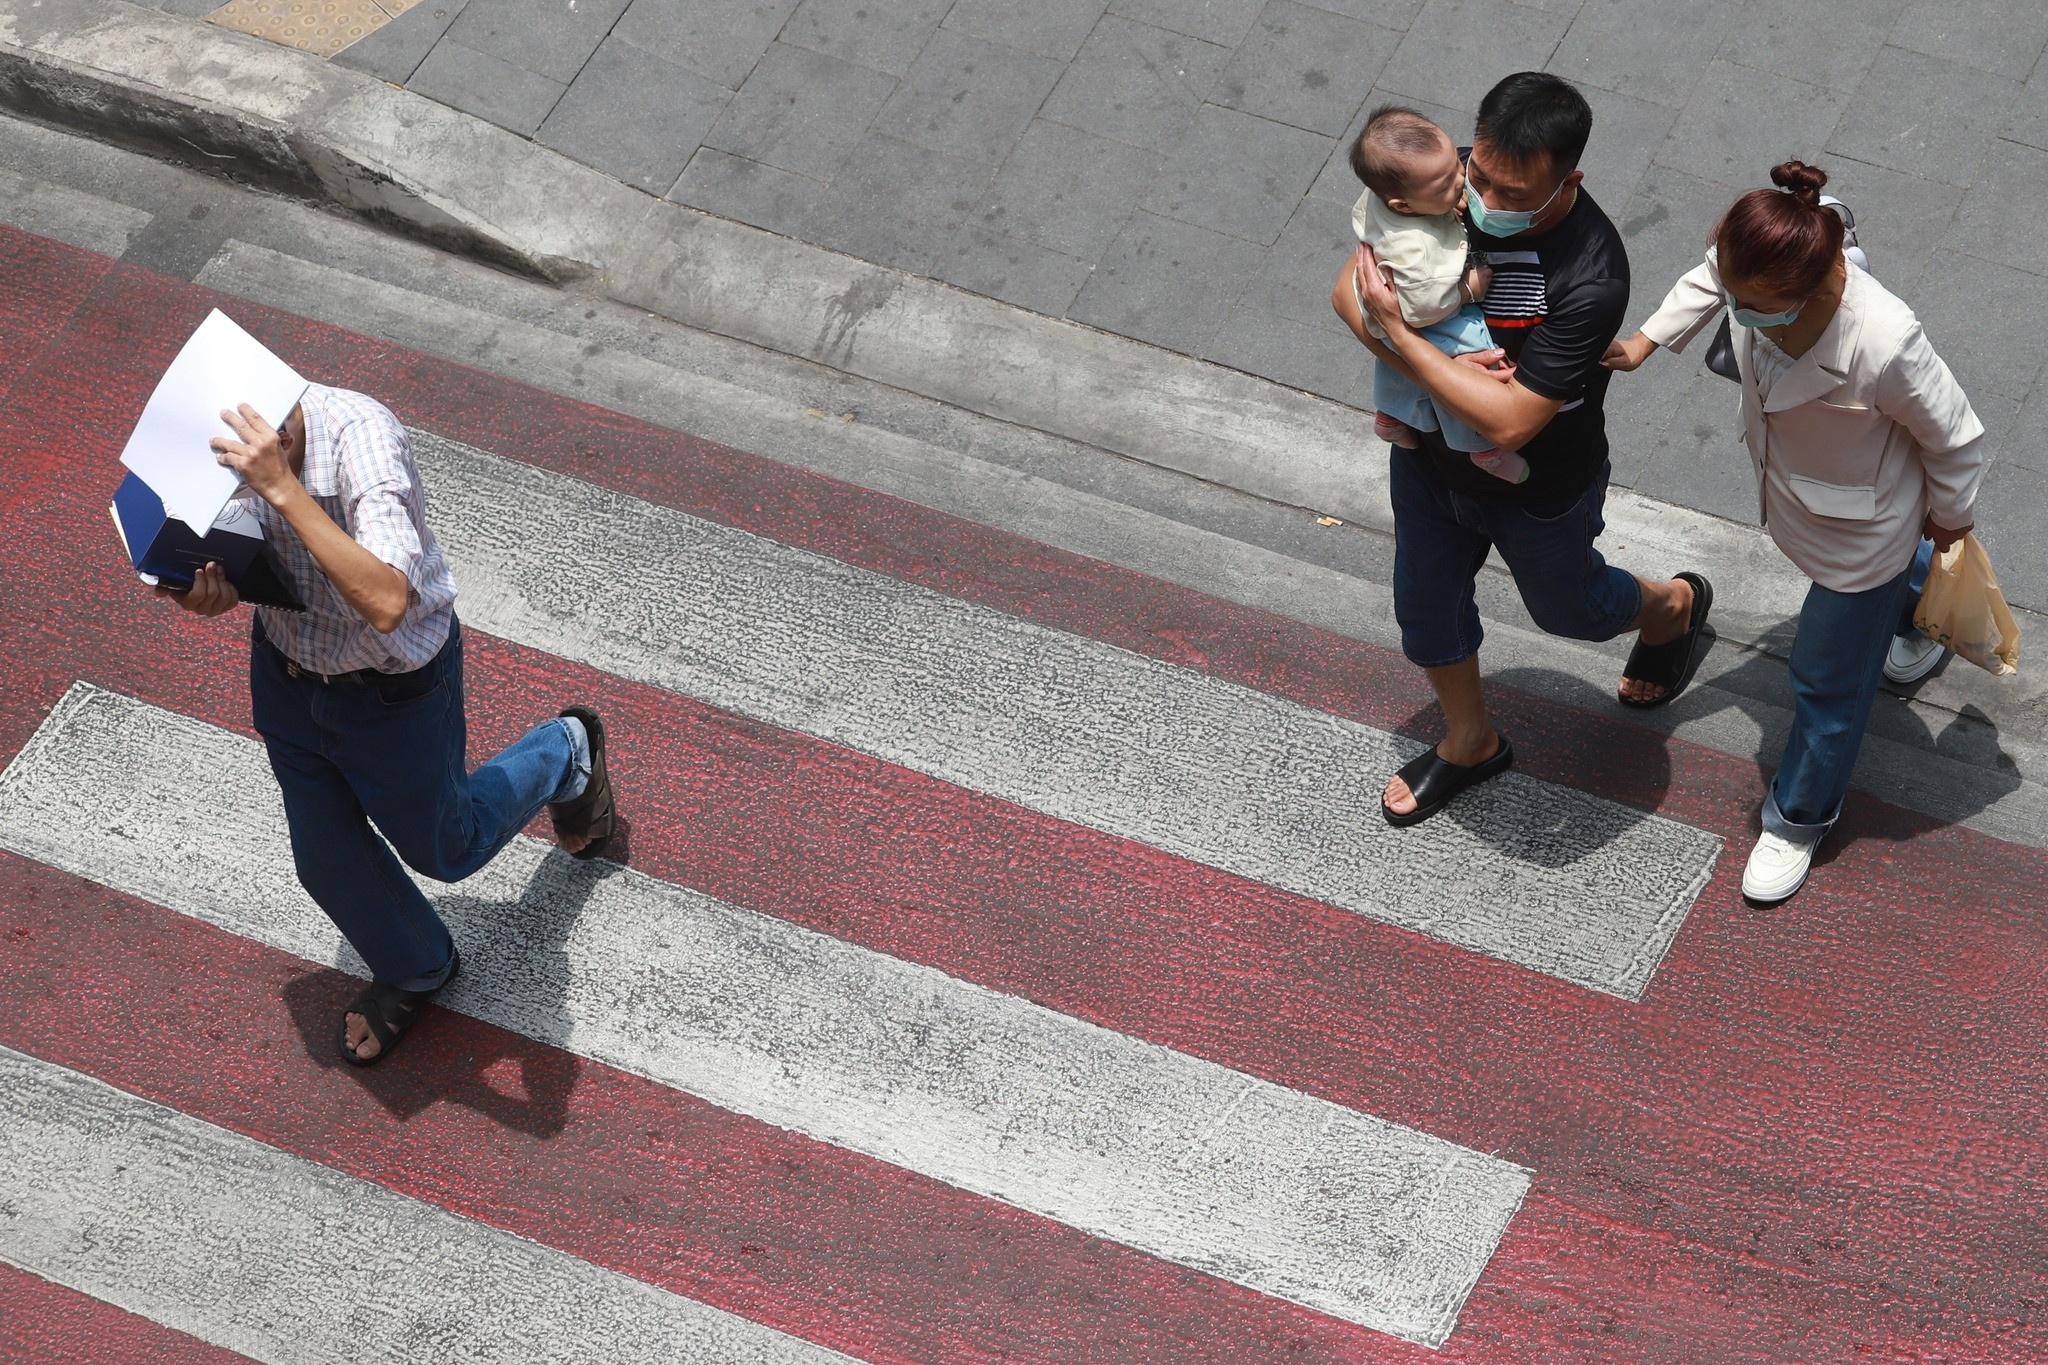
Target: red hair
(1783, 241)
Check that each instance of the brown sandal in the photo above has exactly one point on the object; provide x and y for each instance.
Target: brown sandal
(589, 815)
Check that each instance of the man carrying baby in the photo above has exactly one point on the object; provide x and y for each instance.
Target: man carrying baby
(1555, 297)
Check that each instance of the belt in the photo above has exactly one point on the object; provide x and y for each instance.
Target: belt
(355, 677)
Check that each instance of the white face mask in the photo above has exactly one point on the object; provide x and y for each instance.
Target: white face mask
(1749, 317)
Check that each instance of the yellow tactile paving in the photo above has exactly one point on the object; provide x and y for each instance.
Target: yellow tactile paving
(322, 27)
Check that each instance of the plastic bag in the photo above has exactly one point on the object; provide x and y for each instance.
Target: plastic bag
(1962, 608)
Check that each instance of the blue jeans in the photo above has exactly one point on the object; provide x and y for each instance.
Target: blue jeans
(1404, 400)
(391, 752)
(1837, 665)
(1440, 542)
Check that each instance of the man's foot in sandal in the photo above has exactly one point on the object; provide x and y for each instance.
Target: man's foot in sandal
(1426, 784)
(583, 824)
(1659, 670)
(379, 1017)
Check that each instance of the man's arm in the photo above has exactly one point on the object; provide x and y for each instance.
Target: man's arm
(375, 590)
(1344, 297)
(1506, 414)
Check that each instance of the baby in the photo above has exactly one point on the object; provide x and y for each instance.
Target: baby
(1409, 216)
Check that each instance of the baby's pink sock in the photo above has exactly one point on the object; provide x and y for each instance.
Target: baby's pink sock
(1502, 464)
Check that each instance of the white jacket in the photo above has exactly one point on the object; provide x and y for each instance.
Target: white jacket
(1426, 257)
(1861, 438)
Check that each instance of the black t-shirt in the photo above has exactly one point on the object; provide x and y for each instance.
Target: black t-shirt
(1555, 303)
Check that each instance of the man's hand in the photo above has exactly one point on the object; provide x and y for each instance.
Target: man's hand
(1376, 292)
(1627, 355)
(1944, 539)
(257, 455)
(1494, 364)
(210, 594)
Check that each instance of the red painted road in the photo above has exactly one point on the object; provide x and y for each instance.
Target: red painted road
(1818, 1138)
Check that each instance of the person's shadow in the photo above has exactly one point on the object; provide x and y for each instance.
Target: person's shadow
(454, 1059)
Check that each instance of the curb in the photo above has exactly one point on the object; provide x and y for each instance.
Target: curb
(233, 104)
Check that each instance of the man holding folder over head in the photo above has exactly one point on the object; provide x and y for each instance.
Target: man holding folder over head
(359, 700)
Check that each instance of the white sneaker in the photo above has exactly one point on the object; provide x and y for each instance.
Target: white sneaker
(1912, 657)
(1776, 868)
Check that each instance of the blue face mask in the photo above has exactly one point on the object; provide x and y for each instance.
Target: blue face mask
(1504, 222)
(1745, 317)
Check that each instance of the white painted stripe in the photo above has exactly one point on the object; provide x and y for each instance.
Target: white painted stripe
(1201, 1165)
(285, 1260)
(1542, 875)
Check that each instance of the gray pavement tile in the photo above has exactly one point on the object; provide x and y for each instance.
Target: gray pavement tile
(749, 192)
(1664, 226)
(2024, 440)
(1981, 316)
(1166, 282)
(1136, 83)
(1626, 134)
(1386, 13)
(721, 39)
(801, 110)
(1324, 360)
(1833, 48)
(1741, 123)
(2000, 214)
(886, 36)
(1007, 268)
(1899, 217)
(1294, 280)
(1926, 116)
(1338, 183)
(1652, 49)
(2012, 506)
(1456, 50)
(898, 204)
(1699, 460)
(493, 89)
(1213, 21)
(2003, 36)
(1239, 174)
(552, 38)
(1045, 28)
(1067, 190)
(1305, 67)
(634, 116)
(2028, 121)
(393, 52)
(967, 98)
(192, 9)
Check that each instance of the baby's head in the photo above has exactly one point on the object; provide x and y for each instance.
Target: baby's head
(1409, 162)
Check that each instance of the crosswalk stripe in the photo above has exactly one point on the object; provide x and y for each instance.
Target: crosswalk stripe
(153, 1211)
(1546, 876)
(1287, 1194)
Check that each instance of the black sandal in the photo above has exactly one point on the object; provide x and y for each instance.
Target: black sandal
(1671, 664)
(1433, 780)
(589, 815)
(390, 1013)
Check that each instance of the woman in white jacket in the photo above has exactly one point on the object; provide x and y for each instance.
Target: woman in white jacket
(1862, 443)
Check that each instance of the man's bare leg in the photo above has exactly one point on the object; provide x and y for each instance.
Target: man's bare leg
(1665, 614)
(1469, 734)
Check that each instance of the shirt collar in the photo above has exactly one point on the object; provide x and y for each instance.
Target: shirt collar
(321, 473)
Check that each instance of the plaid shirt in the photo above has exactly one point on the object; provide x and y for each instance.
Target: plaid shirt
(359, 469)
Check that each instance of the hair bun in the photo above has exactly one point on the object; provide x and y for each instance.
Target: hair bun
(1801, 181)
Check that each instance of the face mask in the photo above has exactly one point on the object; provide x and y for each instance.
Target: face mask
(1502, 222)
(1745, 317)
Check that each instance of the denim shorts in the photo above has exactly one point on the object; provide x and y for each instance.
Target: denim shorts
(1441, 539)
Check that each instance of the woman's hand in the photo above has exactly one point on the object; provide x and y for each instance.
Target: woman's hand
(1944, 539)
(1627, 355)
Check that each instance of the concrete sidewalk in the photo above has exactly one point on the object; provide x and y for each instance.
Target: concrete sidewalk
(1173, 170)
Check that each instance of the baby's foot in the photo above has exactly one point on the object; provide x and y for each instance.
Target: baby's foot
(1398, 433)
(1502, 464)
